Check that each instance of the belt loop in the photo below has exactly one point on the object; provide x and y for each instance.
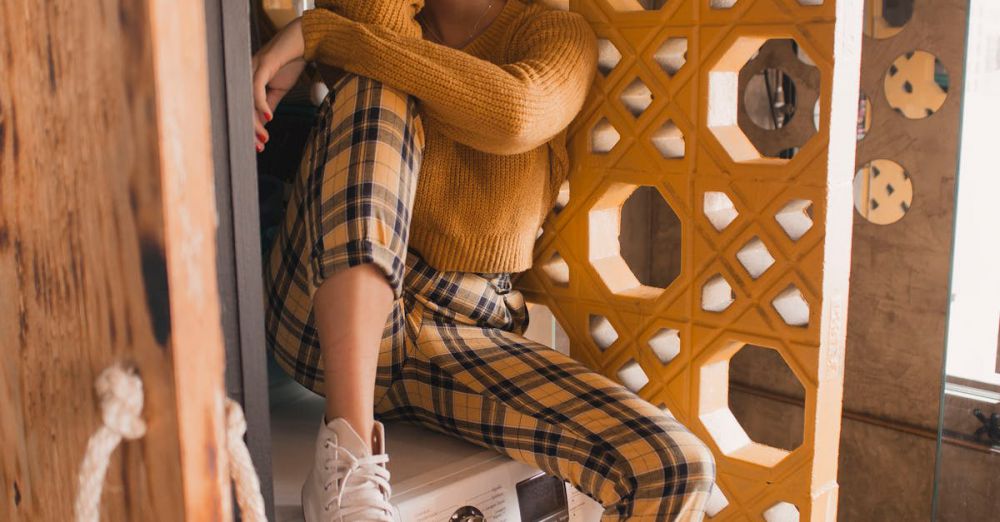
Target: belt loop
(499, 282)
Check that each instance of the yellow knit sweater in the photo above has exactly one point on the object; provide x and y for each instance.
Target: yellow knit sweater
(494, 116)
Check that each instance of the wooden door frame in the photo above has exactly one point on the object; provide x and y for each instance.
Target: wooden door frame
(239, 250)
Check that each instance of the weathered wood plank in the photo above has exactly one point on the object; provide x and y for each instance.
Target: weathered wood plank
(99, 204)
(183, 118)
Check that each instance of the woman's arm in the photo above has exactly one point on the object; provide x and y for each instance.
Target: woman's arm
(502, 109)
(398, 16)
(279, 63)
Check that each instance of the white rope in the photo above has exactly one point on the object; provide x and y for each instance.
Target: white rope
(241, 470)
(119, 390)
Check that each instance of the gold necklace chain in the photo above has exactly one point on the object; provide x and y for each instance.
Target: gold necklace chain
(440, 39)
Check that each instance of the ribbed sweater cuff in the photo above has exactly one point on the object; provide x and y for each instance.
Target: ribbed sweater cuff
(480, 254)
(318, 25)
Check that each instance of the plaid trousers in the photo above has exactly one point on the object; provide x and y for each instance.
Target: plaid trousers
(452, 358)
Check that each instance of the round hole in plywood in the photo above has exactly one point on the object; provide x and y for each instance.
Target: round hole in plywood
(883, 191)
(886, 18)
(817, 113)
(916, 84)
(864, 116)
(754, 92)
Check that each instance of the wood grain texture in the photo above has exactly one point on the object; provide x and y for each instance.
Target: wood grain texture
(968, 485)
(183, 124)
(83, 263)
(885, 474)
(94, 264)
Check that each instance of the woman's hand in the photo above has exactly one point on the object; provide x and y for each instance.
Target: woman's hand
(276, 68)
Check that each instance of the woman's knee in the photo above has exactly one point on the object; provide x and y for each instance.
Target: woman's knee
(673, 475)
(352, 94)
(363, 166)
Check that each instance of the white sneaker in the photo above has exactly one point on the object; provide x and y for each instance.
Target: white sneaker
(348, 482)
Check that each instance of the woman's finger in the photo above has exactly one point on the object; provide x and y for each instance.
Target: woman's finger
(260, 78)
(259, 129)
(274, 97)
(260, 133)
(262, 129)
(259, 119)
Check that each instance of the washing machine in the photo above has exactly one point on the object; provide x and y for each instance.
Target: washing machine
(435, 478)
(438, 478)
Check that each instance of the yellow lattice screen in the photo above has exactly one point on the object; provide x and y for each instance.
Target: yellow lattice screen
(668, 119)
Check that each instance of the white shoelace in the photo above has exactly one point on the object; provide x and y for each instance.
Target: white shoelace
(364, 486)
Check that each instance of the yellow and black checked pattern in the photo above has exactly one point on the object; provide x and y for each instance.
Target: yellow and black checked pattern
(452, 358)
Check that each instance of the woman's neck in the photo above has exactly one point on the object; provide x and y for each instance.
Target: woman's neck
(456, 11)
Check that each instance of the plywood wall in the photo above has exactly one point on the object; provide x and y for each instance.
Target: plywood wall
(900, 274)
(900, 271)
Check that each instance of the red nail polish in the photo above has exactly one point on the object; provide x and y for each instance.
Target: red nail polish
(260, 148)
(268, 115)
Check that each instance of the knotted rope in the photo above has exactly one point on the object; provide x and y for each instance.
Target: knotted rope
(241, 470)
(120, 393)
